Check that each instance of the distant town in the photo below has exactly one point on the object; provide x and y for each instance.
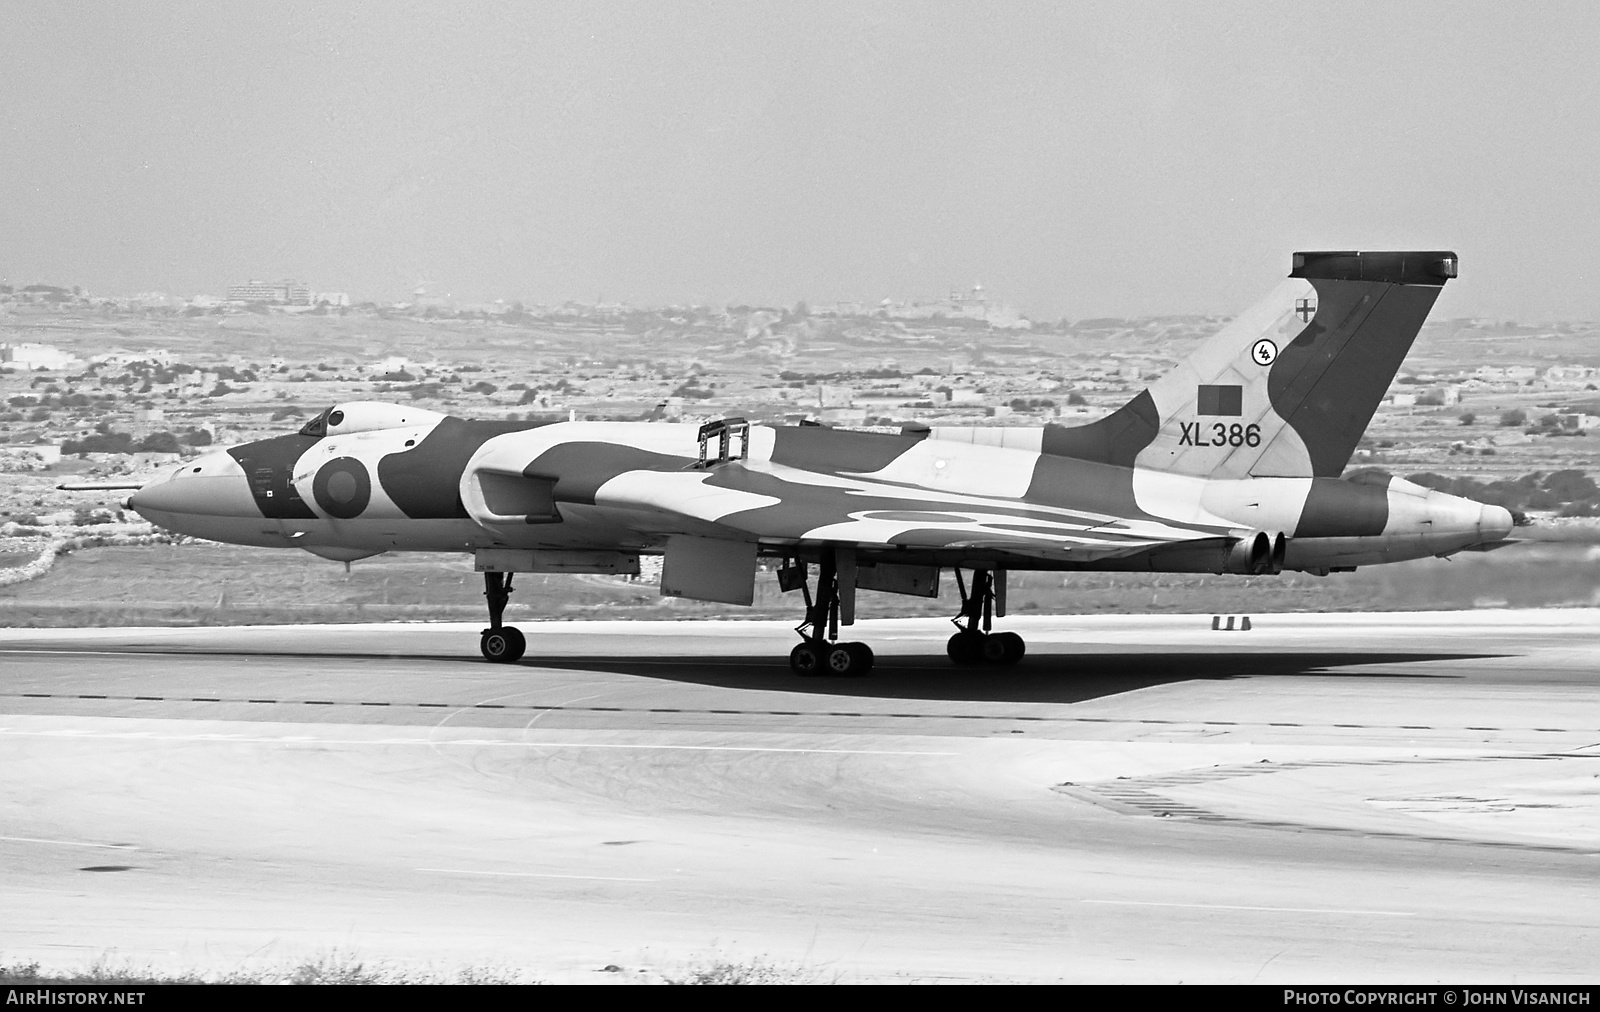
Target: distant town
(104, 386)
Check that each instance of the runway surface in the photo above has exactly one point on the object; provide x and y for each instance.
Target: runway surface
(1409, 797)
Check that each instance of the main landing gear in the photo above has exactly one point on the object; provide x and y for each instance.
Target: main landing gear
(972, 645)
(817, 653)
(502, 644)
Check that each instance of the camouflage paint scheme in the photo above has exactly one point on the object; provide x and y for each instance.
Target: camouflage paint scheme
(1245, 438)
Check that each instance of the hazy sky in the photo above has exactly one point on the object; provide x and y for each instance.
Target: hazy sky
(1078, 159)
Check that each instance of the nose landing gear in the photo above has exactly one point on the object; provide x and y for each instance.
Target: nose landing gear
(817, 653)
(502, 644)
(973, 643)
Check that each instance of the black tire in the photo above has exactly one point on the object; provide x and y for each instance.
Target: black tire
(993, 649)
(839, 659)
(966, 647)
(519, 643)
(1012, 647)
(504, 645)
(863, 655)
(805, 660)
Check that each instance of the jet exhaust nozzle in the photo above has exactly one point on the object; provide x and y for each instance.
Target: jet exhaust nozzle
(1258, 554)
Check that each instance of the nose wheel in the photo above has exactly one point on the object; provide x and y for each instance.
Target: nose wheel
(501, 644)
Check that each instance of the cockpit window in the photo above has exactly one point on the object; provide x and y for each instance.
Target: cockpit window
(318, 426)
(336, 417)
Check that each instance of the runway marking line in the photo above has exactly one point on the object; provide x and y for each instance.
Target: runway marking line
(781, 713)
(69, 843)
(246, 739)
(533, 874)
(1235, 906)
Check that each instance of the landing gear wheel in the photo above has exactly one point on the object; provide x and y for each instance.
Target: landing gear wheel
(519, 643)
(817, 653)
(501, 644)
(805, 660)
(504, 645)
(841, 660)
(863, 657)
(966, 647)
(1012, 647)
(993, 650)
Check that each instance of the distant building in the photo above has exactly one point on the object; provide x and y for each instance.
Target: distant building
(330, 299)
(1578, 421)
(1511, 373)
(1568, 374)
(974, 301)
(36, 356)
(149, 300)
(832, 396)
(844, 416)
(286, 293)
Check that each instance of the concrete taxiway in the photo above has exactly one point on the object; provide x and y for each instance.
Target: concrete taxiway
(1322, 798)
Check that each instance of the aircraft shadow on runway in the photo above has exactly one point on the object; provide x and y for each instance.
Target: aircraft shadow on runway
(1060, 677)
(1042, 678)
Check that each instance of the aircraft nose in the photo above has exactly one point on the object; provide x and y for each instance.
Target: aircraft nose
(215, 485)
(1495, 521)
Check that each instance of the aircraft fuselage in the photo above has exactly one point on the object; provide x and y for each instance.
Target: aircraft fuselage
(429, 485)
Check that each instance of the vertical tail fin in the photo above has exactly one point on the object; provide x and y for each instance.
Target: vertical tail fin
(1288, 387)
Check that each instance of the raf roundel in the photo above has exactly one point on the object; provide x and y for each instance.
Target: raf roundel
(342, 487)
(1264, 352)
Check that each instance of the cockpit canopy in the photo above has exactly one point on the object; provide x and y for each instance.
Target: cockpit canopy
(366, 416)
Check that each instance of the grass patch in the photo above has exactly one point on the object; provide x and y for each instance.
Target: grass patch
(748, 971)
(346, 968)
(333, 967)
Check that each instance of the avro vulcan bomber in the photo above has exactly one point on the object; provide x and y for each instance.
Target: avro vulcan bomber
(1231, 463)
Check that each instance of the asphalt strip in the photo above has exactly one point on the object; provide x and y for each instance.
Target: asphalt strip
(1274, 910)
(431, 742)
